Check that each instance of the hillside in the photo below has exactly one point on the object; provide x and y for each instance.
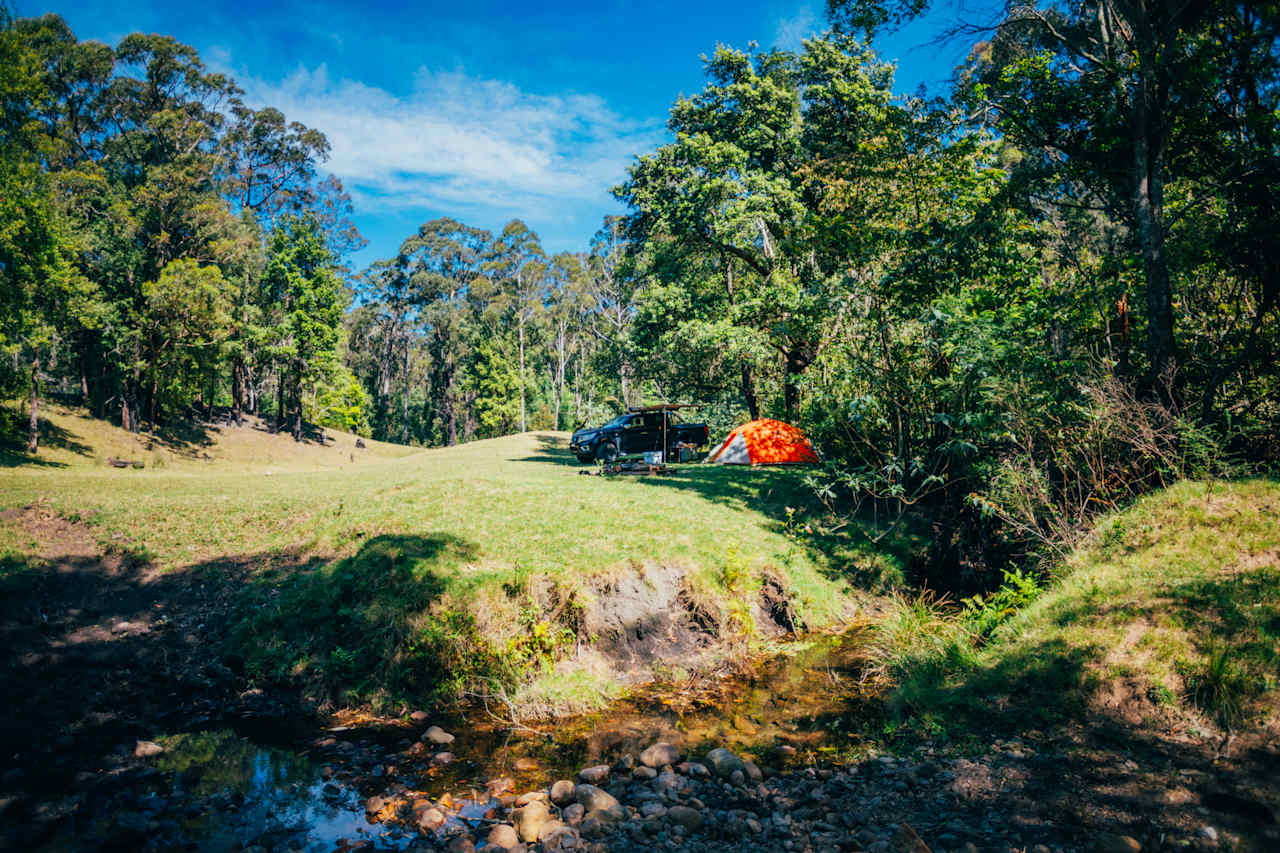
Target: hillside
(364, 554)
(1165, 619)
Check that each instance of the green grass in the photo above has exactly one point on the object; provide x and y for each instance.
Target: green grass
(1171, 610)
(368, 562)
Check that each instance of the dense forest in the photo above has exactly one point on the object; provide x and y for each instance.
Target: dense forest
(1003, 310)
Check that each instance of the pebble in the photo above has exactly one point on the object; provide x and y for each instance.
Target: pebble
(594, 775)
(438, 736)
(1109, 843)
(147, 749)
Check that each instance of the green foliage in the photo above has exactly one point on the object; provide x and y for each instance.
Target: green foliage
(985, 613)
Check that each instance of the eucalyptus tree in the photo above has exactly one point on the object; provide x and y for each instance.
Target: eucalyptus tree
(300, 277)
(517, 265)
(611, 285)
(568, 303)
(444, 261)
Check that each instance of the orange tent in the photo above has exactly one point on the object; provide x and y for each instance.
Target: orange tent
(764, 442)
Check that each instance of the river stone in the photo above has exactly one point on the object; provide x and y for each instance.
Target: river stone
(660, 755)
(694, 769)
(592, 827)
(652, 808)
(573, 813)
(419, 716)
(442, 758)
(552, 829)
(147, 749)
(530, 820)
(461, 844)
(689, 818)
(594, 775)
(644, 774)
(1108, 843)
(562, 792)
(429, 818)
(502, 836)
(437, 735)
(593, 798)
(373, 805)
(722, 762)
(532, 796)
(668, 781)
(754, 773)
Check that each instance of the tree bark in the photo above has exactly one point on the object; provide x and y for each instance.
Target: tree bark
(404, 415)
(297, 396)
(33, 439)
(749, 393)
(280, 416)
(237, 391)
(1148, 210)
(523, 425)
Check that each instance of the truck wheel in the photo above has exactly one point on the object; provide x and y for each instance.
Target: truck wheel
(607, 452)
(584, 458)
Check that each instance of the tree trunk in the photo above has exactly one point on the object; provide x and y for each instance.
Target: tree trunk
(33, 439)
(404, 415)
(297, 396)
(237, 392)
(749, 393)
(524, 427)
(279, 423)
(1148, 210)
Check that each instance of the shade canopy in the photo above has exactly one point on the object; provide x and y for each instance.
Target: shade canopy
(764, 442)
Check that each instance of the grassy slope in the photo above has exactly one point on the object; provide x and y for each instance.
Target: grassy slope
(388, 529)
(1169, 614)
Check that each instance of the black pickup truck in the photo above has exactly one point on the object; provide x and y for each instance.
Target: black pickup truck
(638, 431)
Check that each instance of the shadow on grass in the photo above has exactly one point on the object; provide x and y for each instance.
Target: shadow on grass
(367, 626)
(554, 450)
(13, 441)
(99, 651)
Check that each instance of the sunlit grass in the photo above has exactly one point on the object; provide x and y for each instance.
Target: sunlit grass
(1172, 606)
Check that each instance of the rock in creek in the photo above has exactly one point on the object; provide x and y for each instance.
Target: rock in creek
(530, 819)
(147, 749)
(502, 836)
(594, 775)
(660, 755)
(438, 736)
(689, 818)
(723, 763)
(562, 792)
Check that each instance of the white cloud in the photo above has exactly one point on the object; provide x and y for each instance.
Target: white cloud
(790, 32)
(459, 143)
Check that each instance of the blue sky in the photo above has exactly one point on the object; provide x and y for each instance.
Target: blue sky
(482, 111)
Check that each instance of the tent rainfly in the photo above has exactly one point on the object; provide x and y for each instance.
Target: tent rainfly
(764, 442)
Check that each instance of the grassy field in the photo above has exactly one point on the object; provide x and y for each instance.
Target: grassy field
(1168, 616)
(404, 545)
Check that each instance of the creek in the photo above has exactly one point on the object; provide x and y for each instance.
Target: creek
(307, 789)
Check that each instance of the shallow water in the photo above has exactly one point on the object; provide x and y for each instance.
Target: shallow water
(240, 788)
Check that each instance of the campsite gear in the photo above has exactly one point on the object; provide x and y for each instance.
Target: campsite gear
(764, 442)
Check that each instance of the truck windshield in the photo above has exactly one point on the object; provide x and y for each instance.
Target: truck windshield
(620, 420)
